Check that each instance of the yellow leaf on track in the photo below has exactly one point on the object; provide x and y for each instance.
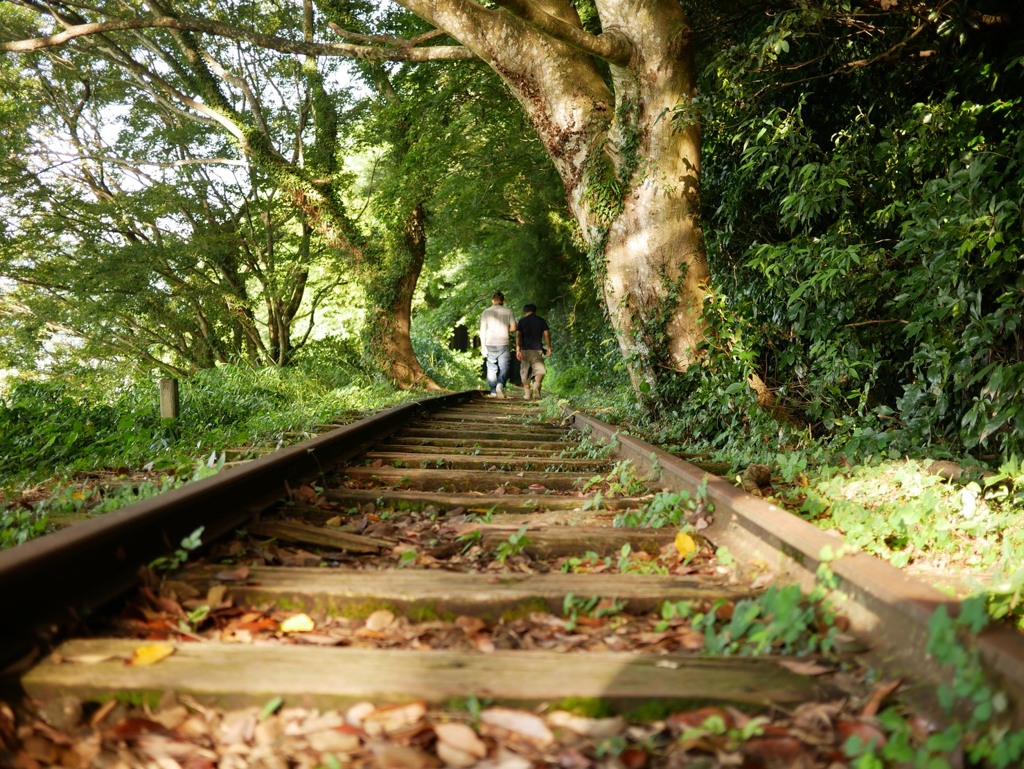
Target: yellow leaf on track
(685, 544)
(151, 653)
(298, 623)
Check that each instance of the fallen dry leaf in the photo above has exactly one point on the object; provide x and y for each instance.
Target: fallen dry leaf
(233, 575)
(390, 756)
(358, 712)
(380, 620)
(599, 728)
(804, 668)
(333, 741)
(461, 742)
(215, 595)
(298, 623)
(685, 544)
(869, 734)
(391, 718)
(452, 756)
(150, 654)
(881, 692)
(521, 723)
(86, 659)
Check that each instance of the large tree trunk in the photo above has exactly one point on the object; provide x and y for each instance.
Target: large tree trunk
(391, 325)
(629, 156)
(657, 270)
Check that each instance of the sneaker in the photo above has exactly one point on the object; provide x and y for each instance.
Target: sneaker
(499, 392)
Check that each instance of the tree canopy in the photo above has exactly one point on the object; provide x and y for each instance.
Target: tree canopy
(820, 199)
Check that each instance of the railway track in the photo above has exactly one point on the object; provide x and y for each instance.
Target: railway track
(456, 582)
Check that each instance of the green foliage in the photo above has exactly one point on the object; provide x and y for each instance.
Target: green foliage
(54, 428)
(782, 620)
(180, 556)
(900, 512)
(595, 607)
(174, 264)
(514, 545)
(627, 564)
(586, 562)
(714, 725)
(19, 526)
(583, 446)
(1004, 599)
(978, 718)
(621, 481)
(667, 508)
(865, 234)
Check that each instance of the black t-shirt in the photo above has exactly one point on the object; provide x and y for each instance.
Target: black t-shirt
(532, 328)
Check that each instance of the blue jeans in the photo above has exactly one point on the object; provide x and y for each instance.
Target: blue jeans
(499, 363)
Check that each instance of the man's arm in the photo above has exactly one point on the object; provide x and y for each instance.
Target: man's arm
(547, 339)
(519, 344)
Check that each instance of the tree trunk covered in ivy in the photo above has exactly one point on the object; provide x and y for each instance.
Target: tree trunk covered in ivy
(629, 155)
(391, 285)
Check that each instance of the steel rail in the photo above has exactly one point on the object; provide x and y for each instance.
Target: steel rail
(62, 576)
(885, 606)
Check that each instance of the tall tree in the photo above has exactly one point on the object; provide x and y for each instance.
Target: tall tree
(606, 105)
(145, 233)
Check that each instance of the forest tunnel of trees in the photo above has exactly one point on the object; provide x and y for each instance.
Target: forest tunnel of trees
(811, 205)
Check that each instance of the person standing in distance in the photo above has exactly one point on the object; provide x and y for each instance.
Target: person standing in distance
(533, 343)
(497, 322)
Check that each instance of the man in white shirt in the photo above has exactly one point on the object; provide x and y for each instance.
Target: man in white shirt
(497, 322)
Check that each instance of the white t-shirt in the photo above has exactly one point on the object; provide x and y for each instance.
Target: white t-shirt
(494, 325)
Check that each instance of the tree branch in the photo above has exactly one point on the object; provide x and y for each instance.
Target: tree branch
(609, 45)
(272, 42)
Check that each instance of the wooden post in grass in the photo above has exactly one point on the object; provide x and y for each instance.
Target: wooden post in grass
(168, 398)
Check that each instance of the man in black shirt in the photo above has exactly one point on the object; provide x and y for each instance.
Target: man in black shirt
(533, 343)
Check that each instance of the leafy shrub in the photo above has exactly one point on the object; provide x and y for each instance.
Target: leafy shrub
(865, 237)
(50, 427)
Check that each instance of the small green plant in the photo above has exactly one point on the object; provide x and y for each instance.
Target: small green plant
(731, 738)
(470, 539)
(407, 558)
(180, 556)
(586, 563)
(671, 610)
(627, 564)
(595, 502)
(620, 481)
(513, 546)
(1005, 600)
(272, 706)
(574, 607)
(19, 526)
(484, 517)
(782, 620)
(196, 617)
(585, 447)
(666, 509)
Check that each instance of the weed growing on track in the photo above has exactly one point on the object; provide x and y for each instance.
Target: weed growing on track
(977, 714)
